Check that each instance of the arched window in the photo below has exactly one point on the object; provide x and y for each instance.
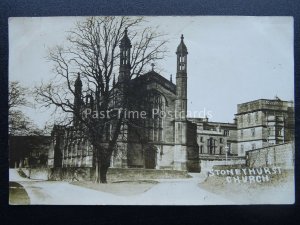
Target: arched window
(156, 108)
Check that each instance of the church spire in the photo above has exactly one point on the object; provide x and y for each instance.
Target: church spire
(77, 99)
(181, 56)
(180, 151)
(125, 46)
(181, 79)
(114, 81)
(78, 83)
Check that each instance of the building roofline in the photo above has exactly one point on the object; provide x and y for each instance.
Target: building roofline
(210, 122)
(264, 99)
(257, 110)
(159, 78)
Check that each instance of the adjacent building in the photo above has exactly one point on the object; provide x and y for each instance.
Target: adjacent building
(216, 138)
(264, 122)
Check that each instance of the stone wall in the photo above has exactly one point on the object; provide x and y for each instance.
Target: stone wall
(282, 155)
(36, 173)
(165, 159)
(207, 163)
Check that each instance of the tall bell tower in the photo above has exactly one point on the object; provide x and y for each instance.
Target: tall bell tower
(125, 47)
(121, 95)
(77, 100)
(180, 151)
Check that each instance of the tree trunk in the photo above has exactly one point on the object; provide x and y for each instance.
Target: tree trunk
(103, 157)
(98, 170)
(101, 169)
(103, 173)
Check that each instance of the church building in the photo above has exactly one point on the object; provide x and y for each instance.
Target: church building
(162, 142)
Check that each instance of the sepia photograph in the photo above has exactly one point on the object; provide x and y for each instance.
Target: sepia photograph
(151, 110)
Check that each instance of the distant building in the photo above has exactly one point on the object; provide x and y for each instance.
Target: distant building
(215, 138)
(264, 122)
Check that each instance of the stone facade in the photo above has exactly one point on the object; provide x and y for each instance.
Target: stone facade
(216, 138)
(264, 122)
(207, 163)
(68, 149)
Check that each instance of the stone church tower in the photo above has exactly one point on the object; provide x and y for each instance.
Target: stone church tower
(77, 100)
(122, 93)
(180, 151)
(124, 72)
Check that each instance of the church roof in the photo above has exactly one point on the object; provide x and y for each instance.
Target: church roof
(181, 47)
(153, 76)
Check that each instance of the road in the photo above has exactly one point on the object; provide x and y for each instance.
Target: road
(166, 192)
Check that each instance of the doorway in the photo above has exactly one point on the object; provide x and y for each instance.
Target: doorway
(150, 157)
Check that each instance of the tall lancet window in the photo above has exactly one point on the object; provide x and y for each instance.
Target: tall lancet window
(127, 58)
(156, 107)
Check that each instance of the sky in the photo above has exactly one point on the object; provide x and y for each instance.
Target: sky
(231, 59)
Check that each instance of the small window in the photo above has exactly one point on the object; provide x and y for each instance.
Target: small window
(256, 117)
(226, 132)
(221, 140)
(201, 149)
(241, 118)
(253, 132)
(221, 150)
(253, 146)
(228, 147)
(201, 139)
(242, 133)
(242, 149)
(249, 118)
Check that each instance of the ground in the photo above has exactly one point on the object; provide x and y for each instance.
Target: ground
(17, 194)
(161, 192)
(124, 188)
(189, 191)
(280, 190)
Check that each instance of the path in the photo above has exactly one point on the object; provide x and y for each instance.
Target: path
(167, 192)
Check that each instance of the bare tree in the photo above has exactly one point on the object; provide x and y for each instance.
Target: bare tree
(16, 95)
(91, 60)
(19, 123)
